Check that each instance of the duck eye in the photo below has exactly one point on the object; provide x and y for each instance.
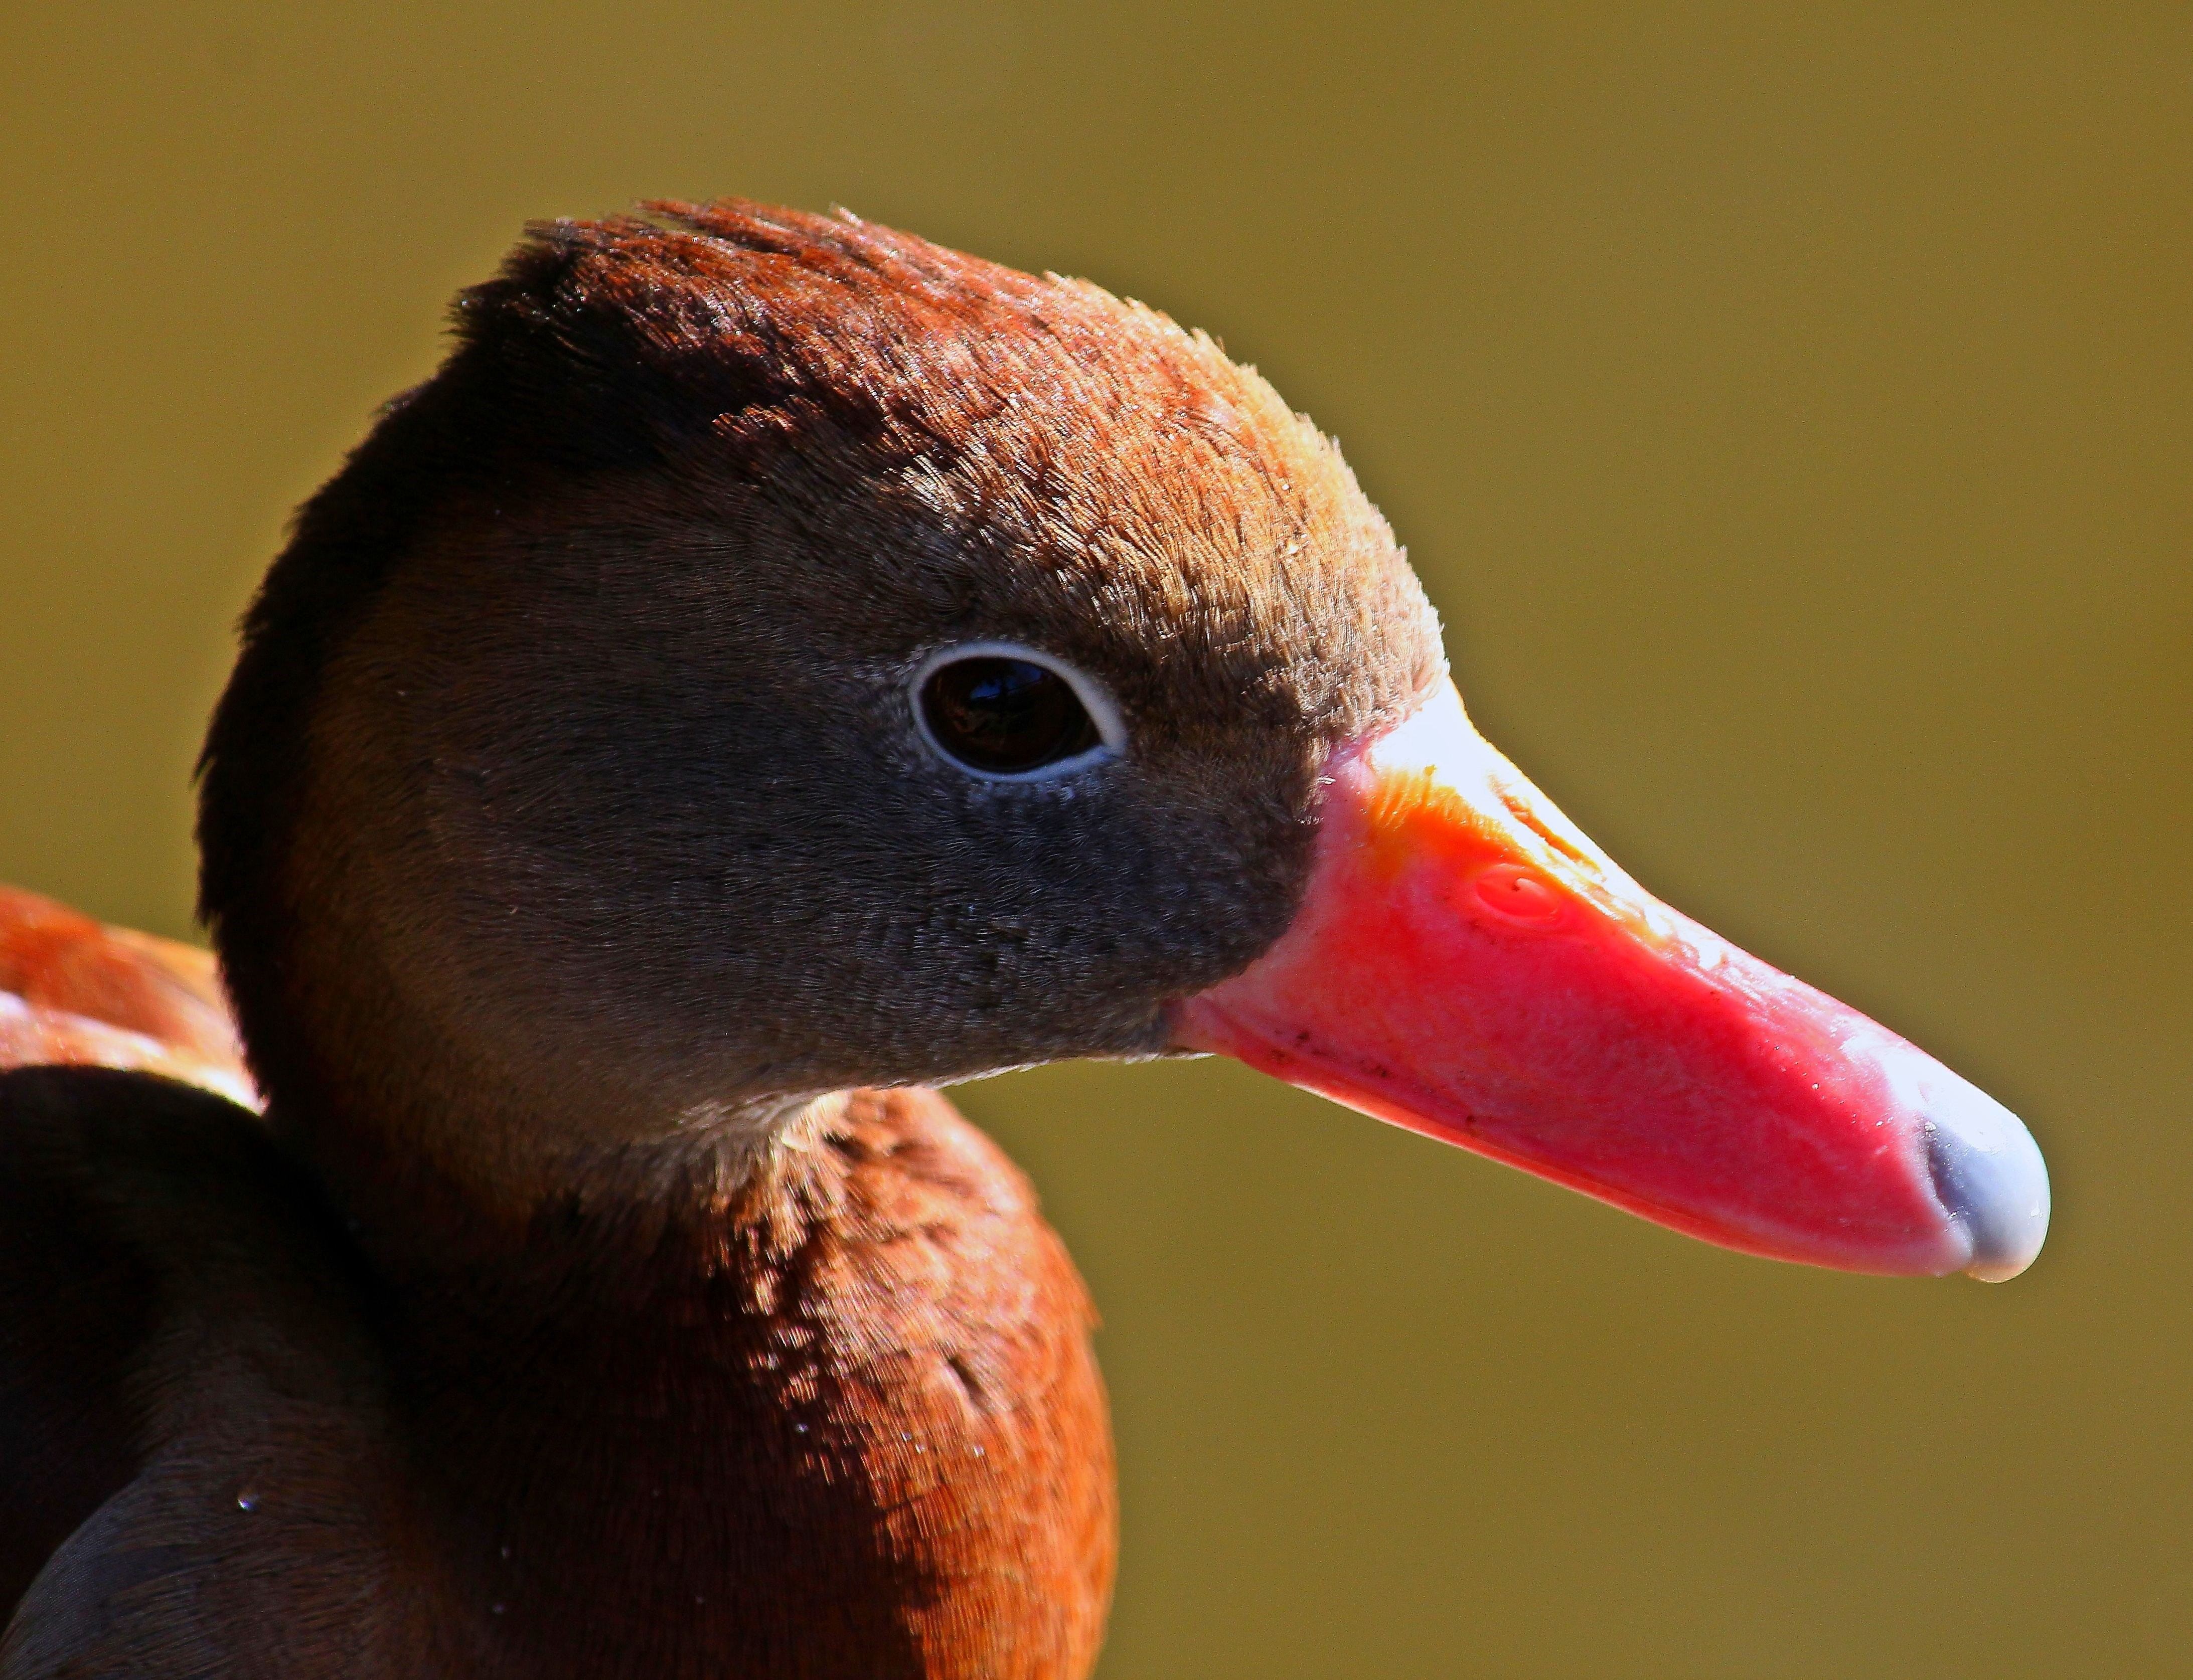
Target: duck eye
(1001, 715)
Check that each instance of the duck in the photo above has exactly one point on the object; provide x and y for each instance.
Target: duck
(776, 668)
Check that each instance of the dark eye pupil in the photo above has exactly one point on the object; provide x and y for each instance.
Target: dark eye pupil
(1005, 715)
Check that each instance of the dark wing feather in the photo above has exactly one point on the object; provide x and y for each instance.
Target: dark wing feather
(154, 1247)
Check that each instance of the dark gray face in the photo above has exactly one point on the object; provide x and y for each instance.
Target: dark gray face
(616, 780)
(675, 787)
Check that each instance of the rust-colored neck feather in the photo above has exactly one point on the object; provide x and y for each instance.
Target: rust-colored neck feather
(840, 1420)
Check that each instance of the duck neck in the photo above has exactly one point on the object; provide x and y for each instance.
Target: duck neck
(721, 1391)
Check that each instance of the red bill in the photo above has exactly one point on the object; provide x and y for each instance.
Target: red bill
(1466, 963)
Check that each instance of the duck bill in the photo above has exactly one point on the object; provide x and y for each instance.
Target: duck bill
(1467, 964)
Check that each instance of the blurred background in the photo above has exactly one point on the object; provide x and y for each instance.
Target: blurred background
(1788, 409)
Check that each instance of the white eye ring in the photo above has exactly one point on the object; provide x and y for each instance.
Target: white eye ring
(1096, 699)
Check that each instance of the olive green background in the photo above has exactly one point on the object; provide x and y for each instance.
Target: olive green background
(1788, 408)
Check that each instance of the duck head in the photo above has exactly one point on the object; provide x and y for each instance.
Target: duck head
(775, 654)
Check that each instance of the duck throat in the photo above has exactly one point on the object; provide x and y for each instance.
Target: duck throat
(452, 1198)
